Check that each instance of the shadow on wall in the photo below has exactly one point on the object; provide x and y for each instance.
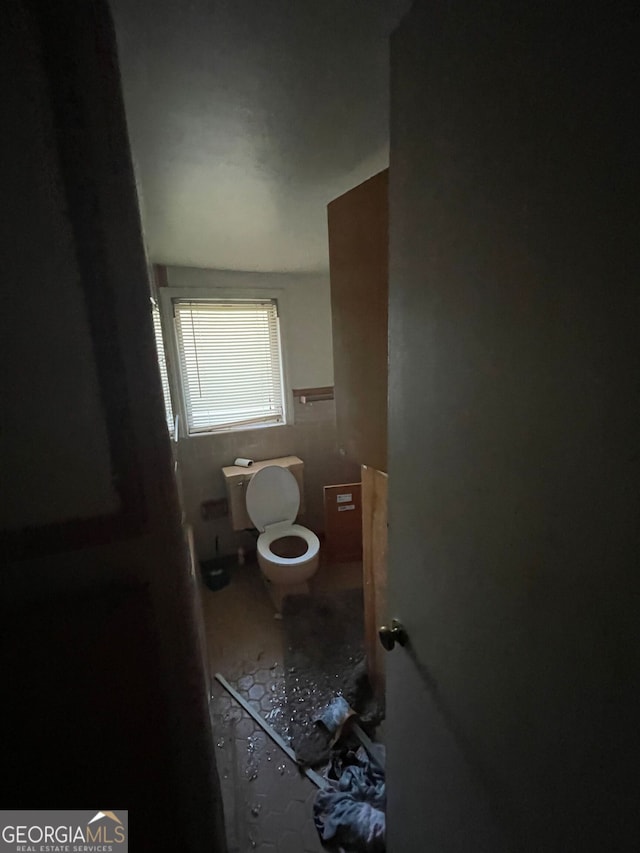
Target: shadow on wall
(312, 437)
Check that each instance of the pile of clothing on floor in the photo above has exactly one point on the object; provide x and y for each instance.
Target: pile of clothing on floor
(350, 811)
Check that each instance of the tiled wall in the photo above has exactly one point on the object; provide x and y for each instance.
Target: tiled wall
(312, 437)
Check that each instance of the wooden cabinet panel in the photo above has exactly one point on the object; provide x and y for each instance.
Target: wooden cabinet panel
(358, 253)
(374, 570)
(343, 522)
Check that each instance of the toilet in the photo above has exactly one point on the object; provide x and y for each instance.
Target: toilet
(288, 553)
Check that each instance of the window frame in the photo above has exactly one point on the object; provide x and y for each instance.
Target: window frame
(167, 297)
(157, 311)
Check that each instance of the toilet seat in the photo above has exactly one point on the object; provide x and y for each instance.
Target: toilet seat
(272, 497)
(279, 531)
(273, 501)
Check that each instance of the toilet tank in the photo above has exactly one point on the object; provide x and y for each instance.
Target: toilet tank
(236, 480)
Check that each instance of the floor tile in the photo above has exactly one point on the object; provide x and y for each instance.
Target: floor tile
(268, 802)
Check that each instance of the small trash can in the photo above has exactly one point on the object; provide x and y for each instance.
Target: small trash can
(216, 572)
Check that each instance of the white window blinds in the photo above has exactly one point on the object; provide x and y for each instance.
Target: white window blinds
(162, 362)
(230, 363)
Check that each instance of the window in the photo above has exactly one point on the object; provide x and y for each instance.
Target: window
(162, 362)
(230, 363)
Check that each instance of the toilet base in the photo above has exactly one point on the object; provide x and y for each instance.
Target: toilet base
(278, 592)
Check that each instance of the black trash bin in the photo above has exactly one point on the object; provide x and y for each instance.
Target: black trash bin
(216, 573)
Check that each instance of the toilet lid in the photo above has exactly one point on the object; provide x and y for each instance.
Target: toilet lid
(272, 496)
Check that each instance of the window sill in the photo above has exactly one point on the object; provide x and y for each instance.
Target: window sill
(227, 430)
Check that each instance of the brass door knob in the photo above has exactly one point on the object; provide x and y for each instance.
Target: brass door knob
(389, 636)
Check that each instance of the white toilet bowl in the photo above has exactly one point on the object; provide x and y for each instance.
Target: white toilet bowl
(273, 500)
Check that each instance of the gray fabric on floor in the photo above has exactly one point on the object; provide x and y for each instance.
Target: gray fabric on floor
(352, 811)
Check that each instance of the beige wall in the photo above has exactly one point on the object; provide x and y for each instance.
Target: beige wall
(306, 315)
(310, 431)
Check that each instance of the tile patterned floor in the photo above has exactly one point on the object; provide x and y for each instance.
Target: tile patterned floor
(268, 802)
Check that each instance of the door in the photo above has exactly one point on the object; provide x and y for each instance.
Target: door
(513, 417)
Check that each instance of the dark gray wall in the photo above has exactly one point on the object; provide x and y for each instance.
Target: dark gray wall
(104, 682)
(513, 476)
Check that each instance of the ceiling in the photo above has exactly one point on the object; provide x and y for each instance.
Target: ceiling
(246, 117)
